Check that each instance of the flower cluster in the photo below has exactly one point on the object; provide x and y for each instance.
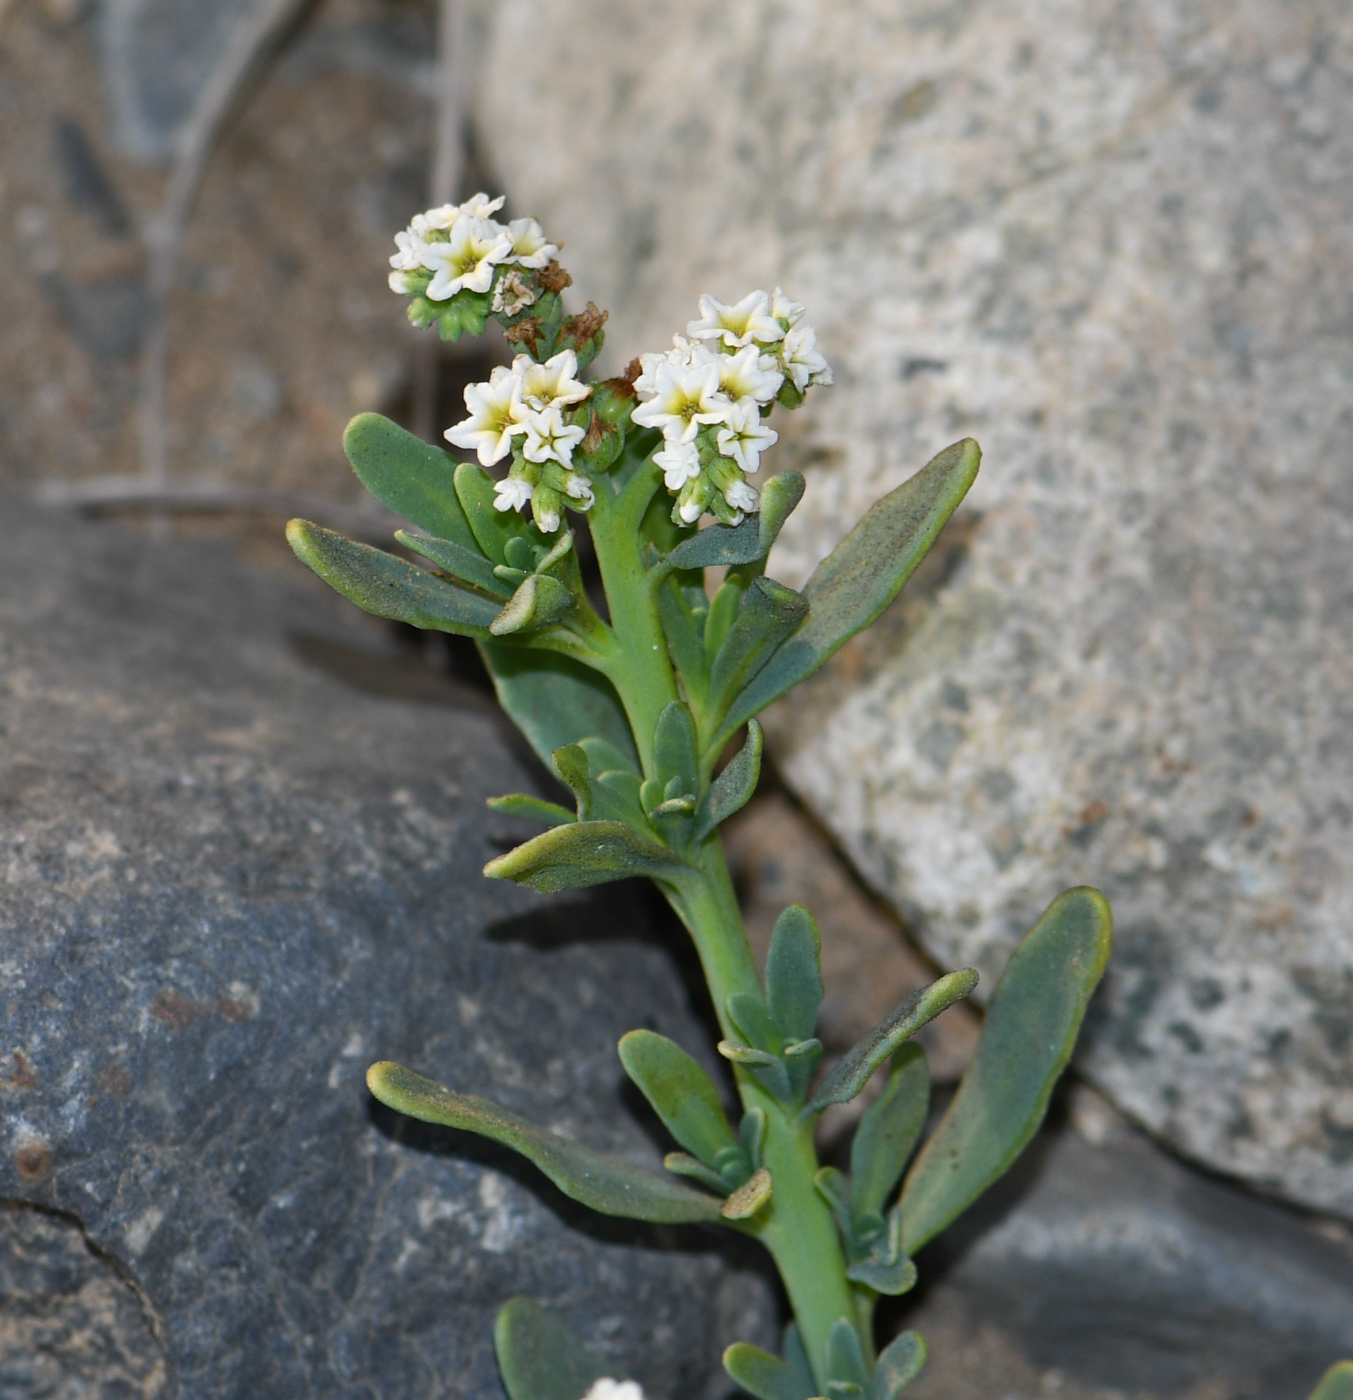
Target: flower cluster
(457, 247)
(521, 412)
(711, 393)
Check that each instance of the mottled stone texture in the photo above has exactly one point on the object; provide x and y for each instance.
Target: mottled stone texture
(1115, 243)
(228, 881)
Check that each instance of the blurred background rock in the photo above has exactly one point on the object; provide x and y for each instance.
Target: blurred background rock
(1112, 241)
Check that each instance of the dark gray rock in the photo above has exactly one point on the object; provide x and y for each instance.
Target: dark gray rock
(1113, 1266)
(228, 881)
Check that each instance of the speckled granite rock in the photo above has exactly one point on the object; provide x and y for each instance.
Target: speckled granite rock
(1115, 245)
(227, 882)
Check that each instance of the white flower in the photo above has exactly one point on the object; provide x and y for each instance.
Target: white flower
(549, 438)
(690, 510)
(408, 254)
(529, 247)
(439, 219)
(399, 282)
(737, 325)
(801, 359)
(785, 310)
(495, 415)
(478, 206)
(740, 496)
(684, 397)
(679, 463)
(579, 488)
(467, 260)
(749, 374)
(552, 384)
(512, 295)
(744, 437)
(547, 520)
(513, 493)
(608, 1389)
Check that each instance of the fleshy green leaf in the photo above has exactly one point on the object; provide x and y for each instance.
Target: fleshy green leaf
(845, 1356)
(763, 1375)
(683, 1164)
(674, 748)
(682, 1094)
(1030, 1031)
(538, 602)
(891, 1277)
(734, 786)
(1336, 1383)
(389, 587)
(796, 1357)
(468, 565)
(865, 572)
(538, 1357)
(605, 1184)
(751, 1015)
(411, 477)
(555, 700)
(794, 973)
(585, 853)
(853, 1069)
(889, 1130)
(768, 613)
(722, 613)
(899, 1364)
(519, 804)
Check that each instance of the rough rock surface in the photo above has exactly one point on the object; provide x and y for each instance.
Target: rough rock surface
(228, 881)
(1102, 1267)
(1114, 244)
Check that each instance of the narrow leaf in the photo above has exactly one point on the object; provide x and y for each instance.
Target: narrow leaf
(538, 602)
(555, 700)
(732, 789)
(411, 477)
(854, 1068)
(751, 1015)
(845, 1356)
(379, 583)
(1336, 1383)
(538, 1357)
(769, 612)
(763, 1375)
(865, 572)
(468, 565)
(794, 973)
(585, 853)
(889, 1130)
(674, 748)
(682, 1094)
(1030, 1031)
(723, 612)
(683, 1164)
(796, 1358)
(898, 1365)
(519, 804)
(605, 1184)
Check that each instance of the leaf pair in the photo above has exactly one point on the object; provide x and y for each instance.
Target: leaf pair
(778, 1046)
(768, 1378)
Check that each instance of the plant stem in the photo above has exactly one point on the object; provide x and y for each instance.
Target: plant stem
(799, 1231)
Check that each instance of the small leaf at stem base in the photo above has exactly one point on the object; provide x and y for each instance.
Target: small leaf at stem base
(538, 1357)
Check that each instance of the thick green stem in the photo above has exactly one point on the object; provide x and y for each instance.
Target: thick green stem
(641, 671)
(799, 1231)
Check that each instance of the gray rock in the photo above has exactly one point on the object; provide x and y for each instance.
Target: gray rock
(1113, 1267)
(229, 881)
(1116, 246)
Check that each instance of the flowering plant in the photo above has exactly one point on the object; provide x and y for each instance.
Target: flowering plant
(634, 707)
